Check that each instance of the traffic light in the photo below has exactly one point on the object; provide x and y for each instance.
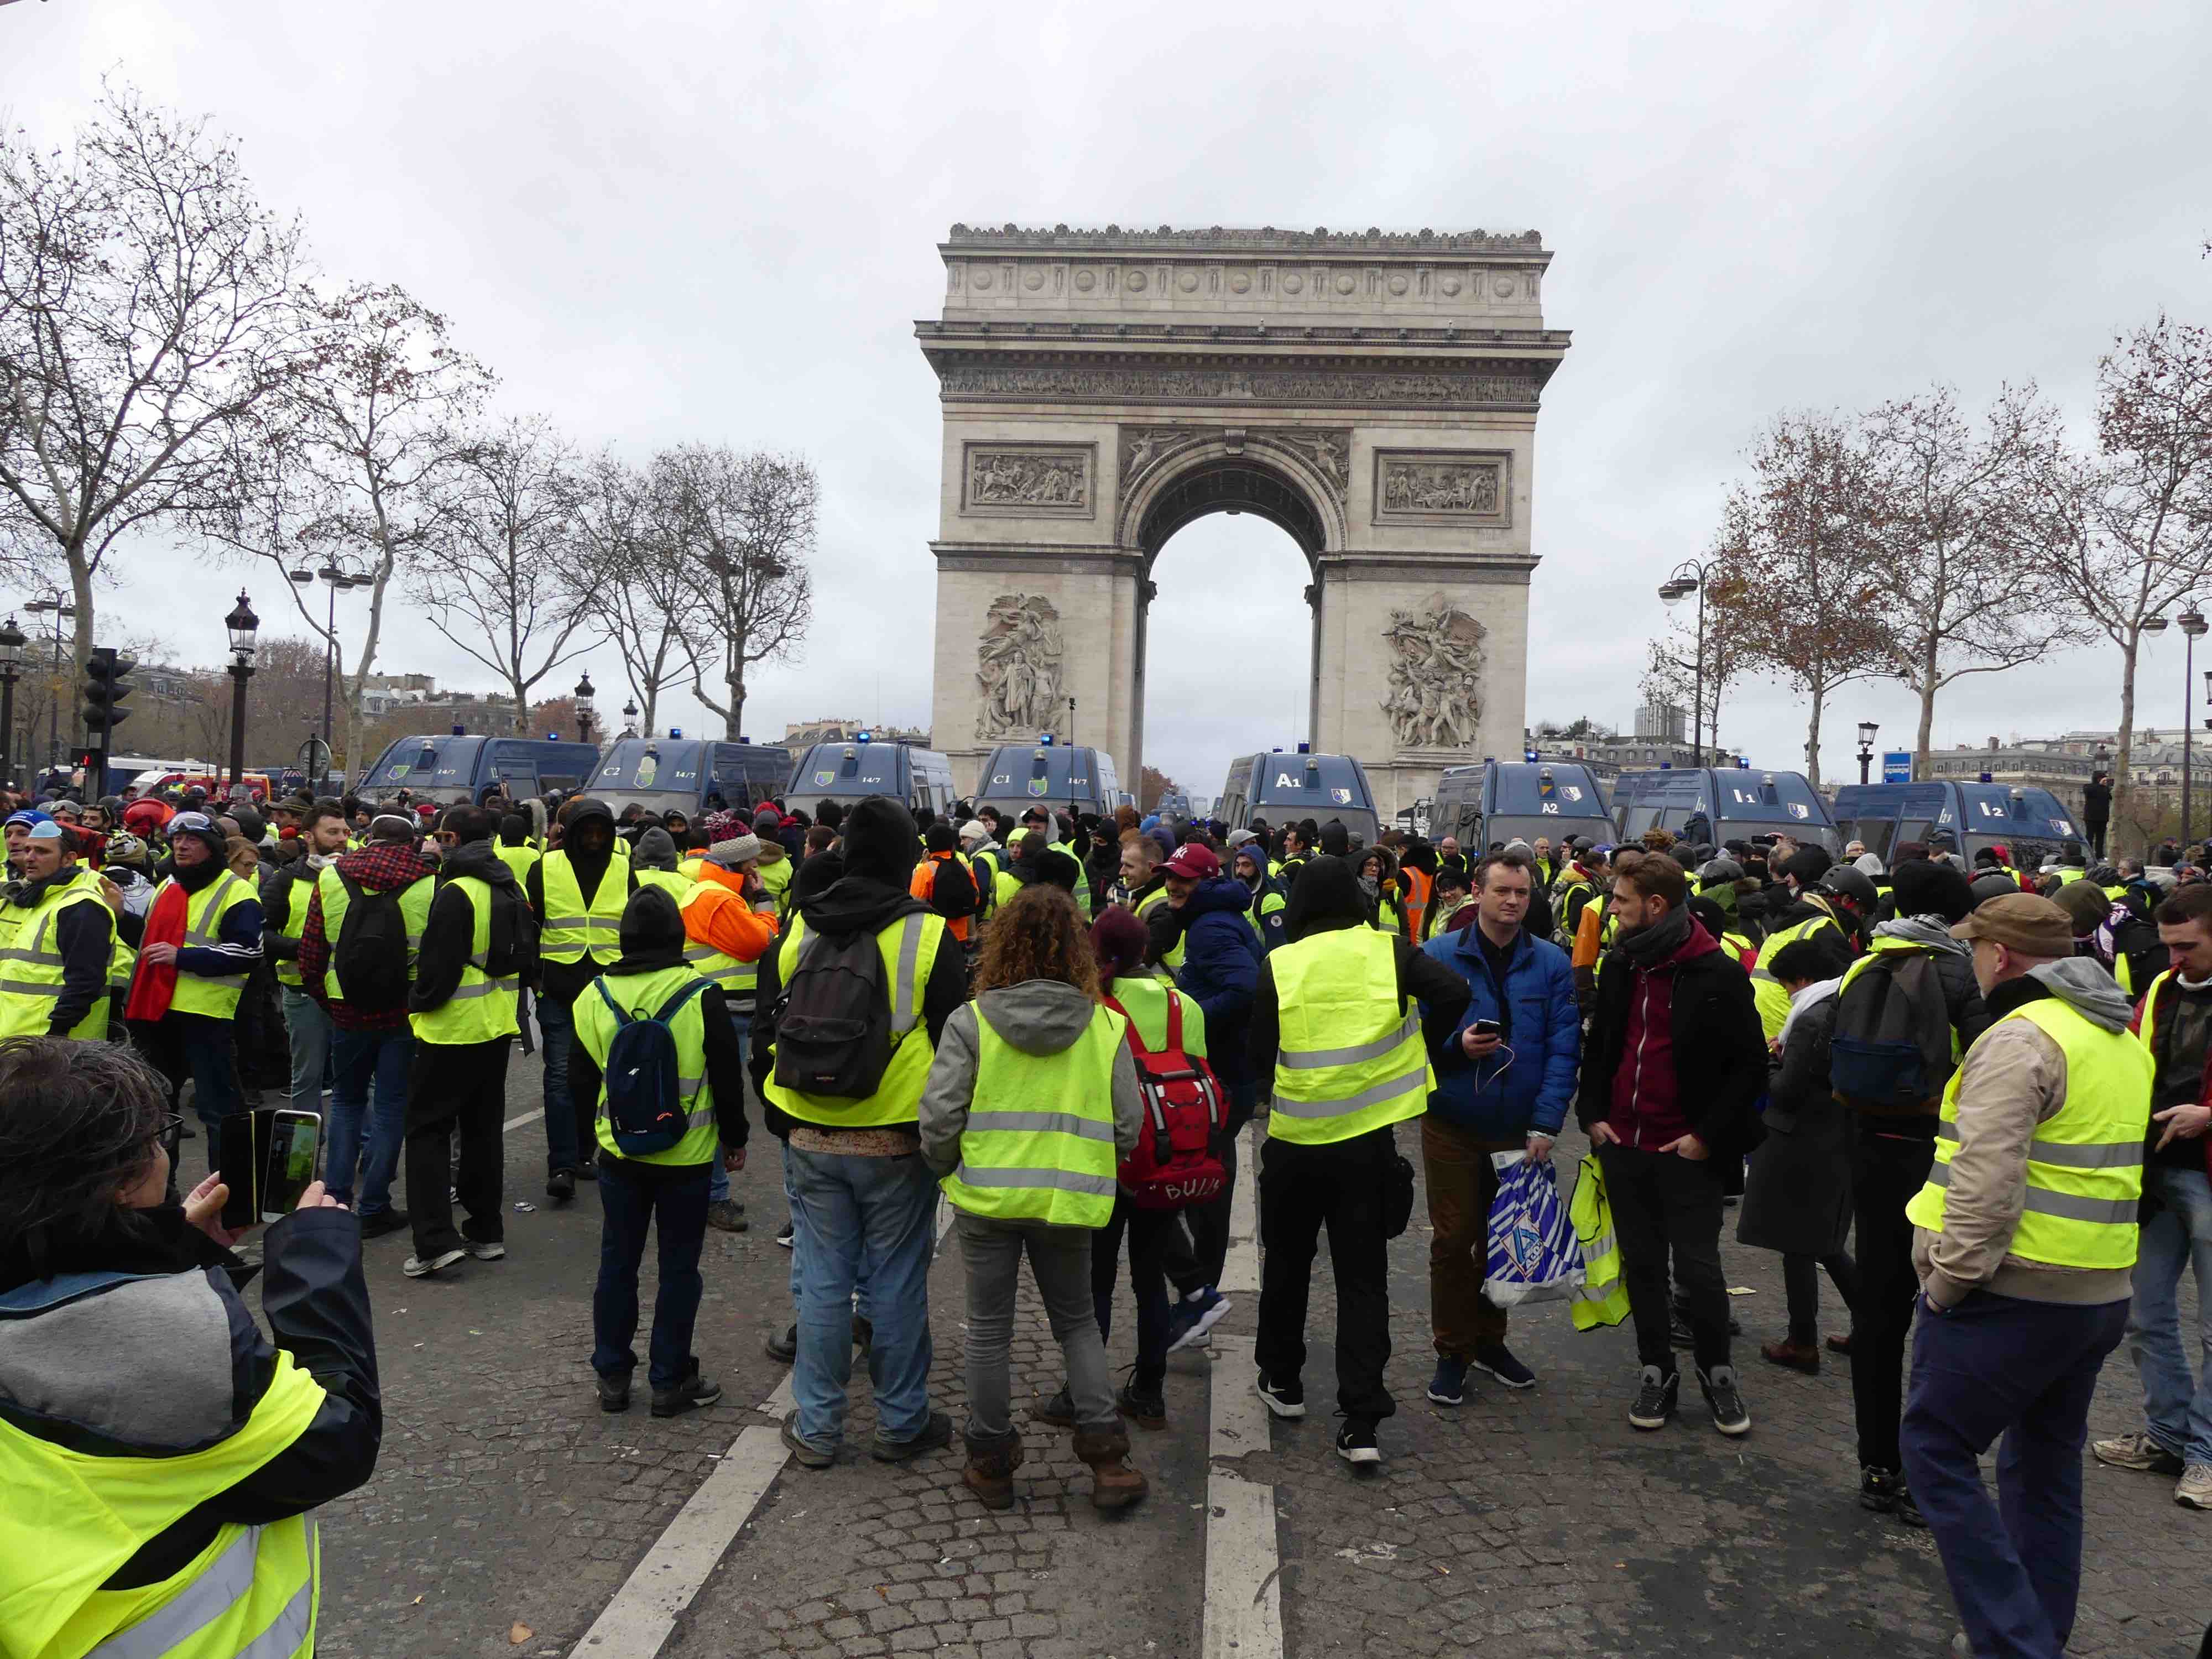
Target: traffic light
(105, 690)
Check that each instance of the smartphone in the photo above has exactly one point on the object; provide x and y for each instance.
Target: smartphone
(241, 1155)
(295, 1141)
(1487, 1028)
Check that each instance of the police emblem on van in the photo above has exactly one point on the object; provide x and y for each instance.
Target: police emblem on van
(823, 780)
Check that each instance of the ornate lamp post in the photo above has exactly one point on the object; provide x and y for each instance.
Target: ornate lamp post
(59, 608)
(12, 641)
(1688, 578)
(339, 574)
(2193, 626)
(1867, 729)
(585, 707)
(243, 626)
(630, 718)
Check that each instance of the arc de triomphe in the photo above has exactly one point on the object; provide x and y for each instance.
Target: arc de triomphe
(1375, 395)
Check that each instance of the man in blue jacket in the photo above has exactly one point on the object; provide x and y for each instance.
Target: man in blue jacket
(1503, 1088)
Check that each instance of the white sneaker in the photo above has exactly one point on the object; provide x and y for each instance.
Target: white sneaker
(416, 1267)
(486, 1252)
(2193, 1490)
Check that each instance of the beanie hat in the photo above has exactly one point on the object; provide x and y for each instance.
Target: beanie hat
(735, 851)
(880, 840)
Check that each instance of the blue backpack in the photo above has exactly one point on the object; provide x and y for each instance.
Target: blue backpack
(645, 1095)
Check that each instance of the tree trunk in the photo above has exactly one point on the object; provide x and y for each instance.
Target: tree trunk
(645, 715)
(81, 596)
(1813, 740)
(735, 722)
(2123, 783)
(1928, 689)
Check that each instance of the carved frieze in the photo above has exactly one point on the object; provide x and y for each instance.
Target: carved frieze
(1327, 450)
(1080, 383)
(1017, 668)
(1143, 447)
(1435, 700)
(1427, 487)
(1029, 480)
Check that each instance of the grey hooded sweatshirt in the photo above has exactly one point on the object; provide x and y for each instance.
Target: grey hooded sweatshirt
(1037, 1017)
(2012, 1079)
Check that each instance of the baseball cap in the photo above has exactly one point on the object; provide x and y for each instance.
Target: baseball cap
(1192, 862)
(2024, 921)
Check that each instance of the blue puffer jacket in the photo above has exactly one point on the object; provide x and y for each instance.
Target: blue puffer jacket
(1221, 970)
(1493, 1099)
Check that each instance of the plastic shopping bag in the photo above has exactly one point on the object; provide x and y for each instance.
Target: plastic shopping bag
(1534, 1254)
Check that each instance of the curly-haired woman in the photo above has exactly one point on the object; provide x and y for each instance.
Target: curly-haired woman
(1031, 1101)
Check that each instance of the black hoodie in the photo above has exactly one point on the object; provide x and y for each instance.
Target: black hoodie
(449, 934)
(878, 857)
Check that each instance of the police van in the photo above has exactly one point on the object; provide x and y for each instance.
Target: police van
(2029, 823)
(1287, 788)
(676, 773)
(1719, 804)
(1506, 800)
(849, 773)
(1066, 776)
(456, 770)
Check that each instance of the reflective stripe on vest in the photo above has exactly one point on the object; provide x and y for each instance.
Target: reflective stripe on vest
(1351, 1058)
(909, 946)
(572, 928)
(481, 1007)
(738, 979)
(1603, 1298)
(31, 968)
(214, 996)
(414, 915)
(2084, 1168)
(1039, 1142)
(641, 996)
(1766, 990)
(295, 925)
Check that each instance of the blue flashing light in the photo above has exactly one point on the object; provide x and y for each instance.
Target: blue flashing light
(1305, 749)
(1666, 766)
(675, 730)
(1046, 739)
(1985, 777)
(460, 731)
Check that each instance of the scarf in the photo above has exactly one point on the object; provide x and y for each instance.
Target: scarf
(1805, 996)
(1647, 947)
(156, 983)
(1930, 931)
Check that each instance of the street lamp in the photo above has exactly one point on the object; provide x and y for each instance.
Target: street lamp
(630, 718)
(243, 626)
(12, 641)
(59, 607)
(1687, 578)
(584, 708)
(1867, 729)
(339, 573)
(2193, 625)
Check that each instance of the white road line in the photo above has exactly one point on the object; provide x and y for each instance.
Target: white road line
(527, 1117)
(638, 1621)
(1243, 1584)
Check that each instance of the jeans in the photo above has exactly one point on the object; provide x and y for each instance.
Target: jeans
(310, 1029)
(198, 1047)
(718, 1178)
(1886, 1171)
(1149, 1233)
(1801, 1287)
(677, 1206)
(1998, 1365)
(1663, 1203)
(1462, 1185)
(568, 1134)
(456, 1089)
(856, 1215)
(2176, 1236)
(1303, 1188)
(368, 1081)
(1060, 1261)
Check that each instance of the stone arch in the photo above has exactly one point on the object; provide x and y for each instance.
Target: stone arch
(1227, 471)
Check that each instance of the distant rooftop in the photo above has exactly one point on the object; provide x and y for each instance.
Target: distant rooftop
(1264, 238)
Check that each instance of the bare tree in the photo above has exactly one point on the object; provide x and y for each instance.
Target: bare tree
(497, 580)
(1807, 525)
(146, 307)
(748, 527)
(631, 574)
(2129, 533)
(1958, 577)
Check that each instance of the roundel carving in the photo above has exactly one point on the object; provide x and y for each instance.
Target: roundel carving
(1398, 285)
(1187, 281)
(982, 279)
(1240, 283)
(1450, 285)
(1136, 282)
(1347, 282)
(1294, 283)
(1034, 281)
(1086, 280)
(1502, 288)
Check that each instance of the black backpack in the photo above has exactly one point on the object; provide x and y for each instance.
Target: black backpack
(952, 890)
(833, 1032)
(643, 1075)
(1892, 1050)
(370, 955)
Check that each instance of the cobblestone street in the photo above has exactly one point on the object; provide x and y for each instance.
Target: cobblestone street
(508, 1510)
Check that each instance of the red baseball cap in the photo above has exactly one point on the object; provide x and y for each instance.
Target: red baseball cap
(1193, 863)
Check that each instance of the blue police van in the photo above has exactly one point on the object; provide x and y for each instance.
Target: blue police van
(455, 770)
(849, 773)
(1069, 777)
(1505, 800)
(683, 774)
(1719, 804)
(1287, 788)
(2029, 823)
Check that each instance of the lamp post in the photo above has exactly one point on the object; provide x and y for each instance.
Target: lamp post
(1688, 578)
(59, 607)
(630, 718)
(243, 625)
(339, 574)
(12, 641)
(2193, 626)
(1867, 729)
(585, 707)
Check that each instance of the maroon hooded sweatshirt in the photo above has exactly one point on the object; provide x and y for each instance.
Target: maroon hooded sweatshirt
(1646, 1112)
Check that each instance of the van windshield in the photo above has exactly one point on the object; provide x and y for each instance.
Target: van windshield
(847, 772)
(1047, 772)
(443, 766)
(661, 774)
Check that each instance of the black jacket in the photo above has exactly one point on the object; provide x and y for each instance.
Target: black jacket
(1720, 1050)
(449, 934)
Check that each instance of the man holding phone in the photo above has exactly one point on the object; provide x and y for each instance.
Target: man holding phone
(1504, 1080)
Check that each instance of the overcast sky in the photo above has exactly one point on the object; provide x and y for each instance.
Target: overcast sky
(663, 222)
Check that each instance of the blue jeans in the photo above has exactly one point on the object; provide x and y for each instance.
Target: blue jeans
(310, 1029)
(855, 1217)
(718, 1181)
(1998, 1365)
(2176, 1410)
(564, 1142)
(368, 1085)
(676, 1207)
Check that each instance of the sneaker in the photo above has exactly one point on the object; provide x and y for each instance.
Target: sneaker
(693, 1392)
(2137, 1451)
(937, 1432)
(783, 1234)
(1907, 1511)
(416, 1267)
(1793, 1356)
(2195, 1490)
(614, 1393)
(1497, 1359)
(1655, 1398)
(1284, 1399)
(1195, 1315)
(1722, 1394)
(784, 1349)
(1355, 1442)
(810, 1453)
(1880, 1489)
(1449, 1386)
(725, 1216)
(587, 1170)
(1143, 1404)
(561, 1185)
(1059, 1411)
(485, 1250)
(384, 1221)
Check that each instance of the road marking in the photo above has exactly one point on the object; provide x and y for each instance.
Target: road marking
(639, 1619)
(1244, 1576)
(527, 1117)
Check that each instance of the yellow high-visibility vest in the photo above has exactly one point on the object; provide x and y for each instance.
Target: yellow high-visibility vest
(1603, 1298)
(31, 964)
(199, 994)
(572, 928)
(1039, 1144)
(738, 979)
(1766, 990)
(641, 996)
(674, 883)
(294, 924)
(414, 912)
(910, 944)
(1351, 1058)
(481, 1007)
(517, 859)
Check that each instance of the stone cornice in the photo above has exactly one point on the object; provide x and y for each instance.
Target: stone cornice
(1397, 379)
(1525, 244)
(935, 332)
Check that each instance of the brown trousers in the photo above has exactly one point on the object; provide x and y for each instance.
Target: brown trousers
(1463, 1184)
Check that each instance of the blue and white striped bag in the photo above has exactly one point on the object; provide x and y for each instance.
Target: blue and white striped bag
(1534, 1254)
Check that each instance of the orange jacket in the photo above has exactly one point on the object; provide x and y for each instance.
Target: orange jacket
(1416, 885)
(924, 882)
(715, 916)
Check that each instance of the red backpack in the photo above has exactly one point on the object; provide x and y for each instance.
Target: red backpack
(1174, 1164)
